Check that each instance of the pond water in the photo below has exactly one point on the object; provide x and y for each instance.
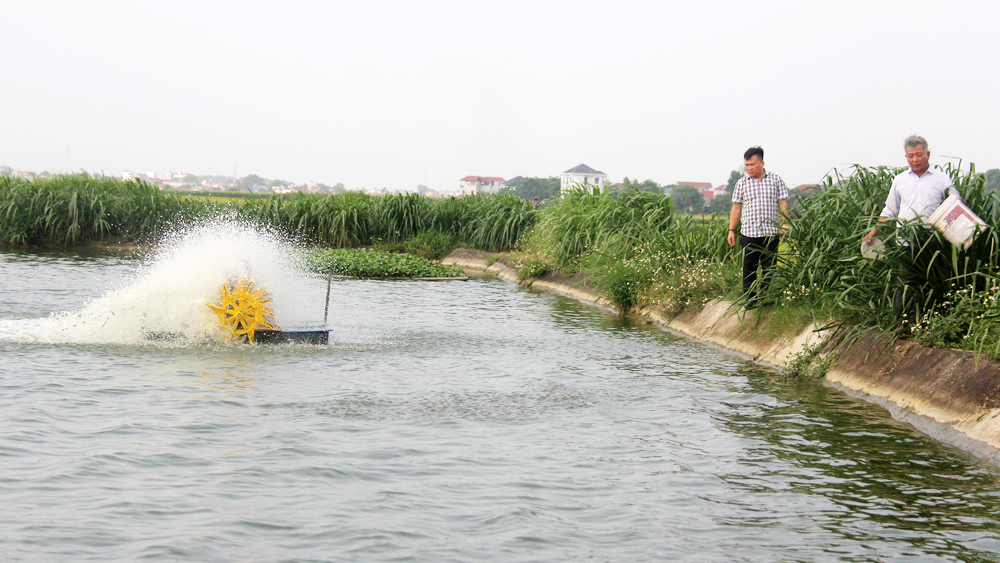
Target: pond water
(455, 421)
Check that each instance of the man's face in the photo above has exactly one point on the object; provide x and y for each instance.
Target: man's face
(917, 157)
(755, 167)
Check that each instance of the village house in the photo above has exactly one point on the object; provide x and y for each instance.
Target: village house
(582, 175)
(472, 185)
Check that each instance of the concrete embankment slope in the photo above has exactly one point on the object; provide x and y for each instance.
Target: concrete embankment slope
(948, 394)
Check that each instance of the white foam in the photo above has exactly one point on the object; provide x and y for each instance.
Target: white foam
(170, 294)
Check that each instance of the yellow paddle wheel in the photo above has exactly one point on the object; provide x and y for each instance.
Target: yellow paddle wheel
(243, 311)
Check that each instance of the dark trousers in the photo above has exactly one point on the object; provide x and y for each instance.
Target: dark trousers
(758, 252)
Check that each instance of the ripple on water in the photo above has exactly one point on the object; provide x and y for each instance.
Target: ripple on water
(454, 422)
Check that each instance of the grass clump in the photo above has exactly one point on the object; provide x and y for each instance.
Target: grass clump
(632, 244)
(431, 245)
(965, 318)
(942, 288)
(685, 287)
(360, 263)
(811, 362)
(528, 269)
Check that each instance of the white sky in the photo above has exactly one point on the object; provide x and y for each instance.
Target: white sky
(380, 94)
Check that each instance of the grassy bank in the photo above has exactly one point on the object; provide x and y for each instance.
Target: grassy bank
(637, 250)
(632, 244)
(949, 294)
(639, 253)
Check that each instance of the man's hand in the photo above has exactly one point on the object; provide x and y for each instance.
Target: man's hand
(874, 230)
(731, 238)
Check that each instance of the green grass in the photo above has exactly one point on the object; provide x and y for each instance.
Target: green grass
(532, 269)
(432, 245)
(361, 263)
(631, 244)
(635, 248)
(822, 264)
(75, 209)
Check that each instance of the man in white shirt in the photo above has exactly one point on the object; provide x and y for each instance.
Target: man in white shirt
(918, 191)
(915, 193)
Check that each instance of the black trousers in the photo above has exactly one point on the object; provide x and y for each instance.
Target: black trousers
(758, 252)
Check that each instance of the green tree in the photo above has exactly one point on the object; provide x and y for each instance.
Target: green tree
(649, 186)
(250, 182)
(422, 189)
(722, 203)
(734, 177)
(646, 186)
(530, 188)
(687, 199)
(993, 179)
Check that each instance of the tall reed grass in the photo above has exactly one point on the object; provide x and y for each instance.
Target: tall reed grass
(493, 223)
(822, 264)
(74, 209)
(627, 241)
(68, 210)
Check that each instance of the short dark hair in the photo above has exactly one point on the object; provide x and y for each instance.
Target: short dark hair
(754, 151)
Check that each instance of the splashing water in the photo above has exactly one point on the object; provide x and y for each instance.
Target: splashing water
(170, 294)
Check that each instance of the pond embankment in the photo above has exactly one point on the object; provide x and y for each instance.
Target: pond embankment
(951, 395)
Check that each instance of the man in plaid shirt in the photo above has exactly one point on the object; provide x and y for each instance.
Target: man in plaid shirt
(765, 197)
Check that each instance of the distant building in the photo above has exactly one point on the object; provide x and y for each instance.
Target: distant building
(472, 185)
(700, 186)
(705, 189)
(583, 175)
(513, 182)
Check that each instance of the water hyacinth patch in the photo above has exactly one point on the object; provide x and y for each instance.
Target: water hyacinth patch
(361, 263)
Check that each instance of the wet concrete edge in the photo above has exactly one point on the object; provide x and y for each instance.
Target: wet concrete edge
(952, 396)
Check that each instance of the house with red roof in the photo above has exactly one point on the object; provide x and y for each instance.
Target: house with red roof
(700, 186)
(706, 190)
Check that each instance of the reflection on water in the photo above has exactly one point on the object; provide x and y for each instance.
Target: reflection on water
(878, 472)
(451, 422)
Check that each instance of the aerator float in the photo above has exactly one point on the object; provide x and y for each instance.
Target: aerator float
(244, 314)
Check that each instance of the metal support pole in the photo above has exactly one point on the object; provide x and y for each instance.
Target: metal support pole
(326, 309)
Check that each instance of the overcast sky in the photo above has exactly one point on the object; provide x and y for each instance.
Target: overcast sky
(386, 94)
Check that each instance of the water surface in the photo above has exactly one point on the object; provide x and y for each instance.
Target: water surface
(459, 421)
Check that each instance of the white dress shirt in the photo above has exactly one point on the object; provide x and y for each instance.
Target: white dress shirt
(913, 196)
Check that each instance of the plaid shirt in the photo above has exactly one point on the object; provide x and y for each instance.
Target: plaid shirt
(760, 216)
